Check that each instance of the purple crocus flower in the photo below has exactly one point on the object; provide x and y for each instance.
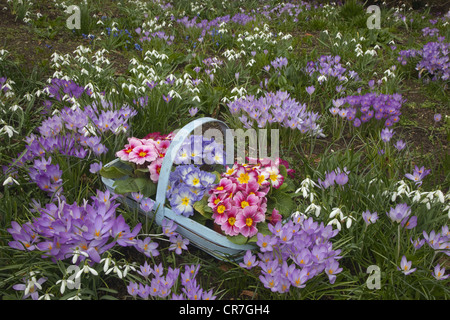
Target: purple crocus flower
(439, 273)
(400, 145)
(133, 289)
(95, 167)
(178, 244)
(30, 288)
(249, 260)
(341, 178)
(147, 247)
(145, 270)
(437, 117)
(167, 98)
(265, 243)
(405, 266)
(386, 134)
(400, 212)
(147, 204)
(418, 243)
(270, 282)
(310, 90)
(299, 277)
(193, 111)
(418, 175)
(370, 218)
(331, 269)
(409, 222)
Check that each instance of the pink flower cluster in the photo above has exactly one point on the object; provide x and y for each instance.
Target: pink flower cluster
(148, 152)
(239, 200)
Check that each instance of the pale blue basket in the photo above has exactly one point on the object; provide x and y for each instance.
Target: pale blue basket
(201, 236)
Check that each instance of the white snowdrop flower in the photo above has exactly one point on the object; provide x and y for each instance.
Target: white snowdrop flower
(106, 262)
(77, 253)
(196, 98)
(322, 78)
(75, 297)
(348, 223)
(8, 130)
(128, 267)
(173, 94)
(86, 269)
(338, 35)
(9, 181)
(394, 196)
(417, 196)
(440, 196)
(15, 107)
(313, 208)
(46, 296)
(297, 215)
(447, 208)
(335, 222)
(116, 270)
(336, 211)
(251, 62)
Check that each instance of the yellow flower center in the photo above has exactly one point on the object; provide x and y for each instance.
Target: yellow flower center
(221, 209)
(249, 222)
(244, 204)
(185, 201)
(243, 178)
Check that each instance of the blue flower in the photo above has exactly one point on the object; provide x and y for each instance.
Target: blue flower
(182, 202)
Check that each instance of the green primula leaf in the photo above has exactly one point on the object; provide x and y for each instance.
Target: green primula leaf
(283, 202)
(114, 172)
(239, 239)
(125, 186)
(146, 186)
(283, 170)
(202, 207)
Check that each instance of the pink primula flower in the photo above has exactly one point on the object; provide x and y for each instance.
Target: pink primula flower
(247, 219)
(142, 154)
(124, 154)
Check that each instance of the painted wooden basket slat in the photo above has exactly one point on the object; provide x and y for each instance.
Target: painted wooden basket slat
(199, 235)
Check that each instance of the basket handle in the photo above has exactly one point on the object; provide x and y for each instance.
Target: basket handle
(169, 158)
